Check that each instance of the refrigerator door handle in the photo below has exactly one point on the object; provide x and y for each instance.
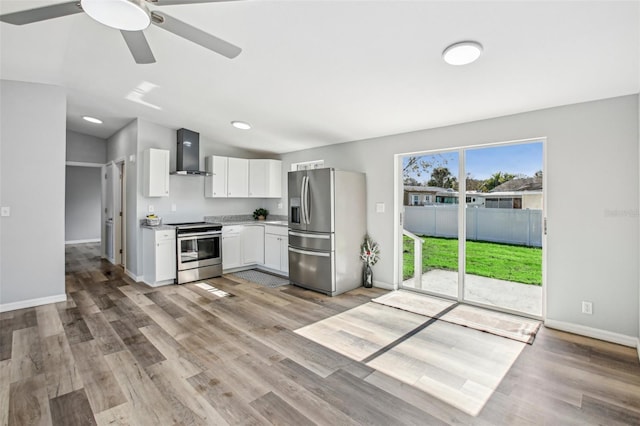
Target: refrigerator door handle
(320, 236)
(302, 202)
(310, 253)
(306, 200)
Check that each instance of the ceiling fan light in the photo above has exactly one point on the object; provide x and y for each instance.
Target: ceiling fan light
(462, 53)
(128, 15)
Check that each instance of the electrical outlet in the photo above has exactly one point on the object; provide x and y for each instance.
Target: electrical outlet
(279, 205)
(6, 211)
(151, 209)
(173, 207)
(587, 308)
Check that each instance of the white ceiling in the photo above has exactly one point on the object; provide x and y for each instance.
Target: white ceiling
(314, 73)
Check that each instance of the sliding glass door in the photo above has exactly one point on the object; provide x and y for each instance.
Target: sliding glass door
(475, 218)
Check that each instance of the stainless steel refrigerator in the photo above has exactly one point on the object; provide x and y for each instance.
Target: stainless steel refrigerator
(327, 223)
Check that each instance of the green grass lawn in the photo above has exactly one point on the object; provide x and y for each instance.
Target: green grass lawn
(502, 261)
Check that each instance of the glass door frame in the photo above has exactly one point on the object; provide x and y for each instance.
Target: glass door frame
(462, 222)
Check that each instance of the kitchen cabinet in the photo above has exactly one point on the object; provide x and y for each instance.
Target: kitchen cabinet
(252, 244)
(156, 172)
(215, 186)
(276, 248)
(231, 247)
(159, 258)
(265, 178)
(237, 177)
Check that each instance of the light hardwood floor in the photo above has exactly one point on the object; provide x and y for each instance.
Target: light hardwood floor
(118, 352)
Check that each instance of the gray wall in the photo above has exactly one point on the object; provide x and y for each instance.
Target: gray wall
(82, 204)
(32, 176)
(592, 149)
(83, 148)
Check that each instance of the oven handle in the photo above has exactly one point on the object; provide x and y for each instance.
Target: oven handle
(199, 234)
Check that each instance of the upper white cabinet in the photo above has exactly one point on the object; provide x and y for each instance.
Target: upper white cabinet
(156, 172)
(215, 186)
(237, 177)
(265, 178)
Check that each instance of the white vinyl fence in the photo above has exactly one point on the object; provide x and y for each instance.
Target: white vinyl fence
(510, 226)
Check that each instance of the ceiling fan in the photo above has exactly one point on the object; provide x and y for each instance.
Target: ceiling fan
(130, 17)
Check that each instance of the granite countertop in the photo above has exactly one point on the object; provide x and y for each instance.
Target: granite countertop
(276, 220)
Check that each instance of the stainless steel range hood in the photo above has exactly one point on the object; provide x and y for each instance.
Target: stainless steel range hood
(188, 154)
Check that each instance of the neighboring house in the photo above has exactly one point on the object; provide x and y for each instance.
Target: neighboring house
(417, 195)
(524, 193)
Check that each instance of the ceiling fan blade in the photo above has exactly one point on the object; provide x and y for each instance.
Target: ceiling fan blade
(195, 35)
(42, 13)
(139, 47)
(172, 2)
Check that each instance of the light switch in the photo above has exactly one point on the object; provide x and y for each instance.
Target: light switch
(279, 205)
(379, 207)
(151, 209)
(5, 211)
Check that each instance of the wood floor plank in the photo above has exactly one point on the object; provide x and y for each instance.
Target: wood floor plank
(74, 325)
(222, 398)
(120, 415)
(5, 383)
(72, 409)
(139, 346)
(26, 354)
(29, 403)
(49, 323)
(101, 387)
(103, 333)
(6, 338)
(278, 412)
(60, 368)
(151, 407)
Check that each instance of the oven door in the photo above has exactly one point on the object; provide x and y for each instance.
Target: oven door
(198, 251)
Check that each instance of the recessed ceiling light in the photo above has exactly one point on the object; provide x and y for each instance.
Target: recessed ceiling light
(128, 15)
(241, 125)
(462, 53)
(92, 119)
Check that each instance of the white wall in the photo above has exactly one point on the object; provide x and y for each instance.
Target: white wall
(32, 183)
(82, 204)
(592, 148)
(83, 148)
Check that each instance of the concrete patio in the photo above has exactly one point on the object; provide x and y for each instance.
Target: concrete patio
(489, 291)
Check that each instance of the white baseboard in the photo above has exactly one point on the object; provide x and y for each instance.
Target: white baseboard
(386, 286)
(83, 241)
(596, 333)
(159, 283)
(133, 276)
(30, 303)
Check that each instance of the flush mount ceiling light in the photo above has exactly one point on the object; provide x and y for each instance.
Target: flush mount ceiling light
(92, 119)
(128, 15)
(462, 53)
(241, 125)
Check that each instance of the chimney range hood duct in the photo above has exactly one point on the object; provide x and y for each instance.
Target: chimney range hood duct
(188, 154)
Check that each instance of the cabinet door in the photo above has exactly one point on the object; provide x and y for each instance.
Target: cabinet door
(156, 173)
(237, 177)
(166, 260)
(284, 255)
(252, 244)
(272, 253)
(258, 178)
(230, 251)
(215, 186)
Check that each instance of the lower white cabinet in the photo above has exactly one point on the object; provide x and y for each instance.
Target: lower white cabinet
(159, 259)
(231, 250)
(276, 251)
(252, 244)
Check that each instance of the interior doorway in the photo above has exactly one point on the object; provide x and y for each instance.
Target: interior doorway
(473, 225)
(114, 206)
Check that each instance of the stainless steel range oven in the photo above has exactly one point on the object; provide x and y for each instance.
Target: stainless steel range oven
(199, 251)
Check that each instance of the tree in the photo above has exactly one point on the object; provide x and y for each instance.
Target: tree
(416, 166)
(442, 177)
(411, 181)
(473, 184)
(496, 179)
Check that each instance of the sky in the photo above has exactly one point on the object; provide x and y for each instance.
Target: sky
(481, 163)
